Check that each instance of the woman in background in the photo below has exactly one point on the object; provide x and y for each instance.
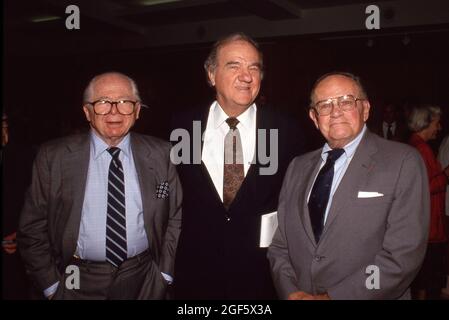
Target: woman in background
(424, 123)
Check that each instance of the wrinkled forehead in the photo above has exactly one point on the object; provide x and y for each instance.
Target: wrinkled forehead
(335, 86)
(238, 48)
(112, 85)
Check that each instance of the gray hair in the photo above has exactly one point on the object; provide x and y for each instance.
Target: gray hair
(351, 76)
(88, 92)
(211, 62)
(420, 117)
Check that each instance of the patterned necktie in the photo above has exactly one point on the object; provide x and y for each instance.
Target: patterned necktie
(319, 196)
(116, 215)
(233, 163)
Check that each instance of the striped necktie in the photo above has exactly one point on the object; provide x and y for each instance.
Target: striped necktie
(116, 214)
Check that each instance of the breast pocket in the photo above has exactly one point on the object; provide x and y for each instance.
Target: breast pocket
(374, 201)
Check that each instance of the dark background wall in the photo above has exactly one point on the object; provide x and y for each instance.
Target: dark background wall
(43, 94)
(46, 66)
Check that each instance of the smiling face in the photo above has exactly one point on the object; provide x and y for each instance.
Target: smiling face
(111, 128)
(339, 127)
(236, 76)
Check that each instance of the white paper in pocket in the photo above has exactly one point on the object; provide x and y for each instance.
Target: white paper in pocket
(367, 194)
(268, 227)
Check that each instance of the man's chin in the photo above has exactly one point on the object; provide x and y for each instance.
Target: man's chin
(343, 135)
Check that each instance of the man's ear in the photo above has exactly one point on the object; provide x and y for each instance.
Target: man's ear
(211, 75)
(366, 109)
(313, 116)
(86, 112)
(138, 111)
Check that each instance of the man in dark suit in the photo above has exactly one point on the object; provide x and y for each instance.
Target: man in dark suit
(392, 126)
(227, 181)
(354, 215)
(102, 217)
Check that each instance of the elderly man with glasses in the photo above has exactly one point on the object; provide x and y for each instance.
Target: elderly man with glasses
(102, 217)
(353, 215)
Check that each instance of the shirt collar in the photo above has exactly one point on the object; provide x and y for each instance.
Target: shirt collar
(349, 148)
(245, 119)
(99, 146)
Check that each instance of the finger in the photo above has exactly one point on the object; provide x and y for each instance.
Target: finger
(296, 295)
(11, 236)
(10, 251)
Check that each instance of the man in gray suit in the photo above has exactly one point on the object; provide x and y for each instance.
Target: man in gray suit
(353, 216)
(102, 217)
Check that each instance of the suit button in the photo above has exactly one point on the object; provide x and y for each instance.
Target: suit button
(318, 258)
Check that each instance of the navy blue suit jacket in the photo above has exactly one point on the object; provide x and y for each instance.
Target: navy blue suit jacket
(217, 257)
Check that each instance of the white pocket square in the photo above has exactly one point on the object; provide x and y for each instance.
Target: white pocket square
(369, 194)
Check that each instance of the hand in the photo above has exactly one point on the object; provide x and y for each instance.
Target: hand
(301, 295)
(9, 243)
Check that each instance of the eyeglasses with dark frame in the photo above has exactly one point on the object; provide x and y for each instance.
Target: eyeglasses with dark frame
(346, 103)
(103, 106)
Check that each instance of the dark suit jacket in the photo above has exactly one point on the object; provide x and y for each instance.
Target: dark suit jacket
(388, 231)
(50, 219)
(219, 258)
(401, 133)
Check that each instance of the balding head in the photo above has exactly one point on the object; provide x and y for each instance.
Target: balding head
(88, 92)
(356, 80)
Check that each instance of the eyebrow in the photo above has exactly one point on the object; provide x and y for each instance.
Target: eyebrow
(255, 64)
(232, 63)
(110, 99)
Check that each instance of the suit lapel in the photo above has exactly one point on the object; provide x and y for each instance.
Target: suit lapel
(74, 165)
(311, 170)
(203, 117)
(355, 175)
(145, 168)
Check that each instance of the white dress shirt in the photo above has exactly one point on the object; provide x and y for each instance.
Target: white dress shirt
(214, 135)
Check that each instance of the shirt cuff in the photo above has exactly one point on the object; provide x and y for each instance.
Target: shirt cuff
(51, 290)
(167, 278)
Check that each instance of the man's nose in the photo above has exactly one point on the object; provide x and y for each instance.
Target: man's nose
(114, 108)
(336, 110)
(245, 75)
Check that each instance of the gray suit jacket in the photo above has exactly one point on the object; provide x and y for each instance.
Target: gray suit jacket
(50, 219)
(389, 232)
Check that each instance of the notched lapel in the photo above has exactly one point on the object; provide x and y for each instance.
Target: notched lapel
(147, 175)
(311, 169)
(355, 176)
(74, 167)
